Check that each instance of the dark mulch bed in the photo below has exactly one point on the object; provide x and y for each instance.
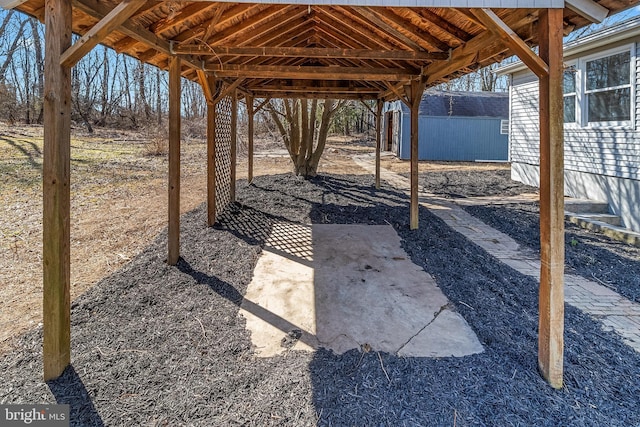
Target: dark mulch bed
(160, 345)
(587, 253)
(471, 183)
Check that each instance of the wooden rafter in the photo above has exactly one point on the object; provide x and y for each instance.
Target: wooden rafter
(479, 49)
(239, 12)
(444, 25)
(413, 32)
(186, 14)
(97, 10)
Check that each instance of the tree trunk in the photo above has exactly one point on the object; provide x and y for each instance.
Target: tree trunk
(39, 94)
(297, 126)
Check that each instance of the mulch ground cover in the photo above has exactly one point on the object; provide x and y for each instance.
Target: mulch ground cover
(161, 345)
(471, 183)
(589, 254)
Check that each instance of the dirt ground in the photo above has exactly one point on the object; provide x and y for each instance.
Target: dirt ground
(118, 204)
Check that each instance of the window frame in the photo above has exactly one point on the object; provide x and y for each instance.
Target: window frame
(504, 127)
(576, 93)
(582, 112)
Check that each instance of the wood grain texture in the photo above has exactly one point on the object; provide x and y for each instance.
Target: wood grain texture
(98, 32)
(379, 105)
(174, 161)
(56, 351)
(551, 307)
(211, 160)
(250, 130)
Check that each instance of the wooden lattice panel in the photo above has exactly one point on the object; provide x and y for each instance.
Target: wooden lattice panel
(223, 154)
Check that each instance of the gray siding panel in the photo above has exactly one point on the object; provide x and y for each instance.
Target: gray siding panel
(524, 131)
(606, 151)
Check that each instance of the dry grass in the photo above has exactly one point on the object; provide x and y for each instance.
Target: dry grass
(393, 164)
(118, 205)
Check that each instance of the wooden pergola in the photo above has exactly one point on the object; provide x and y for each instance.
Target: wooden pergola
(344, 49)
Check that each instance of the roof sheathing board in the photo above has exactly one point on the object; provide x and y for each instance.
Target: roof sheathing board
(512, 4)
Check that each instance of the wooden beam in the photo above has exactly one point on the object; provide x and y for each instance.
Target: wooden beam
(379, 105)
(315, 95)
(551, 305)
(211, 158)
(475, 50)
(310, 52)
(228, 90)
(174, 160)
(234, 144)
(310, 73)
(315, 89)
(414, 94)
(250, 114)
(588, 9)
(512, 41)
(204, 83)
(397, 92)
(261, 105)
(56, 240)
(98, 32)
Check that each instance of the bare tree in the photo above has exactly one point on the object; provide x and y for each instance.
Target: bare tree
(304, 130)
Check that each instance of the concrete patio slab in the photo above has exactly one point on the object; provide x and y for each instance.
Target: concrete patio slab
(355, 288)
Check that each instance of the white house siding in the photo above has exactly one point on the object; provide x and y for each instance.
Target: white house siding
(600, 163)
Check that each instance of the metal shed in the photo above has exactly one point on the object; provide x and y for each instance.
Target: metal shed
(455, 126)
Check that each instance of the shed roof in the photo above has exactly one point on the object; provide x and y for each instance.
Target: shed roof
(465, 104)
(327, 49)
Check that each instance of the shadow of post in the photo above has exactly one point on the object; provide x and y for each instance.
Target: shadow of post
(69, 389)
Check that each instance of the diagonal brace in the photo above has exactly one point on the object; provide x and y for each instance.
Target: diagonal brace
(512, 41)
(98, 32)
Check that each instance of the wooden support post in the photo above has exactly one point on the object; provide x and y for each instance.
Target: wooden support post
(250, 113)
(211, 159)
(234, 143)
(56, 241)
(415, 96)
(174, 160)
(379, 104)
(551, 306)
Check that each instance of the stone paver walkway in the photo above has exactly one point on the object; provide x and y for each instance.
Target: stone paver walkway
(614, 311)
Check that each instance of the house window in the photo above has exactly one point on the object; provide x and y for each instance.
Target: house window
(569, 91)
(608, 88)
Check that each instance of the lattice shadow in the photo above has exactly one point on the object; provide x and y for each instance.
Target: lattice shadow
(276, 234)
